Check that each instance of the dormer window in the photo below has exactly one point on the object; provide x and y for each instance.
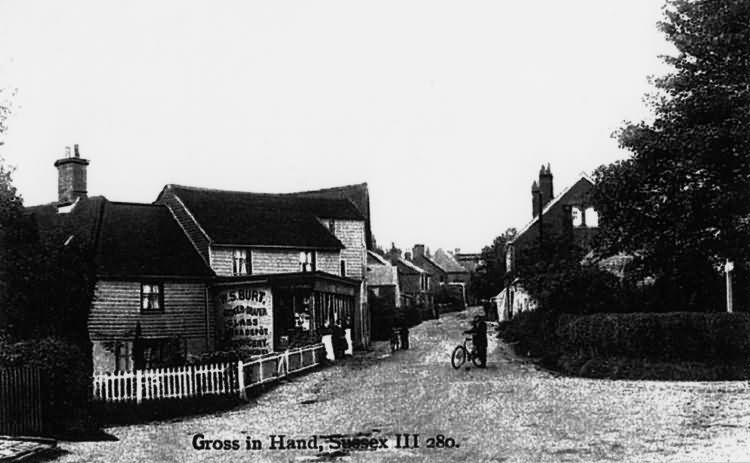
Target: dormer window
(307, 261)
(331, 226)
(240, 262)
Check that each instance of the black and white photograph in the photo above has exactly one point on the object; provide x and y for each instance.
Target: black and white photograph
(354, 231)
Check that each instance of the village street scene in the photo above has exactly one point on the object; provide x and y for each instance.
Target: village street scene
(277, 233)
(511, 411)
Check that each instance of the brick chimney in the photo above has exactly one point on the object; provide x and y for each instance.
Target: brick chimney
(545, 185)
(418, 251)
(71, 177)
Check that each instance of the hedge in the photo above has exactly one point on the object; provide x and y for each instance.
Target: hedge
(674, 336)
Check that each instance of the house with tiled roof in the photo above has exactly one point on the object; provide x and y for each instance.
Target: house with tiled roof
(569, 214)
(414, 283)
(444, 272)
(150, 282)
(202, 269)
(568, 217)
(247, 237)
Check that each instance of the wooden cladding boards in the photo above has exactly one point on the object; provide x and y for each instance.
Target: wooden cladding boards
(116, 310)
(351, 233)
(187, 223)
(328, 262)
(270, 261)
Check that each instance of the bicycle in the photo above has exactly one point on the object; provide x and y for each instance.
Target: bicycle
(461, 354)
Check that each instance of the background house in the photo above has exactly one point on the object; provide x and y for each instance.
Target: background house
(569, 216)
(448, 279)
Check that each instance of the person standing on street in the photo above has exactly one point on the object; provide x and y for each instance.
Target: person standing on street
(478, 333)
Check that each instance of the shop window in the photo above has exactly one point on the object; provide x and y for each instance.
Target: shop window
(591, 217)
(240, 262)
(307, 261)
(152, 297)
(343, 268)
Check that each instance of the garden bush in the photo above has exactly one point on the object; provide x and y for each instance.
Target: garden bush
(66, 371)
(676, 336)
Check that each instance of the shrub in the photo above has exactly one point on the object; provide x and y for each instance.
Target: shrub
(534, 332)
(67, 372)
(678, 336)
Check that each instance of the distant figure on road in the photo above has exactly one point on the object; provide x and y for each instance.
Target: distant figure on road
(478, 334)
(404, 333)
(338, 339)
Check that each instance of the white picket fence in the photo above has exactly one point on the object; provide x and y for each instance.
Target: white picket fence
(201, 380)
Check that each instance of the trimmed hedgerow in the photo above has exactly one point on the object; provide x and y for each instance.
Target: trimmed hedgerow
(675, 336)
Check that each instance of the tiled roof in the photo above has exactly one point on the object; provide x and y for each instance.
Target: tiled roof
(447, 262)
(127, 239)
(358, 194)
(144, 239)
(549, 205)
(262, 219)
(414, 268)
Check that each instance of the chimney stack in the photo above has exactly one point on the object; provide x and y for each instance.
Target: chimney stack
(407, 255)
(71, 177)
(545, 185)
(418, 251)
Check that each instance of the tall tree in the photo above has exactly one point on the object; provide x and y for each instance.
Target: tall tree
(490, 279)
(682, 201)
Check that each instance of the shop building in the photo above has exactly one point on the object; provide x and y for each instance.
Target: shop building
(201, 270)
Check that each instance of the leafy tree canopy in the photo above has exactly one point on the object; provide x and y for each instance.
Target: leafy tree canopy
(683, 199)
(490, 279)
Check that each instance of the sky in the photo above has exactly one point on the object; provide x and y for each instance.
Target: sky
(446, 109)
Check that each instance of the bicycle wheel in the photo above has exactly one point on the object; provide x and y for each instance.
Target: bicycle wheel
(458, 357)
(475, 359)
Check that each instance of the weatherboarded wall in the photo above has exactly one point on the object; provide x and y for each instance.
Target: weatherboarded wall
(116, 310)
(265, 261)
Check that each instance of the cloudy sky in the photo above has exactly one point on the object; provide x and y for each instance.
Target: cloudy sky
(445, 108)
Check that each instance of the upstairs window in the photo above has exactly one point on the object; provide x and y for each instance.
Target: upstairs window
(577, 216)
(591, 217)
(152, 297)
(239, 262)
(307, 261)
(343, 267)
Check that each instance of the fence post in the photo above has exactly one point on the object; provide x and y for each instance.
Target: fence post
(138, 392)
(241, 379)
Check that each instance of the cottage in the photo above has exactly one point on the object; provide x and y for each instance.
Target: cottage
(415, 286)
(150, 305)
(200, 270)
(445, 273)
(382, 279)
